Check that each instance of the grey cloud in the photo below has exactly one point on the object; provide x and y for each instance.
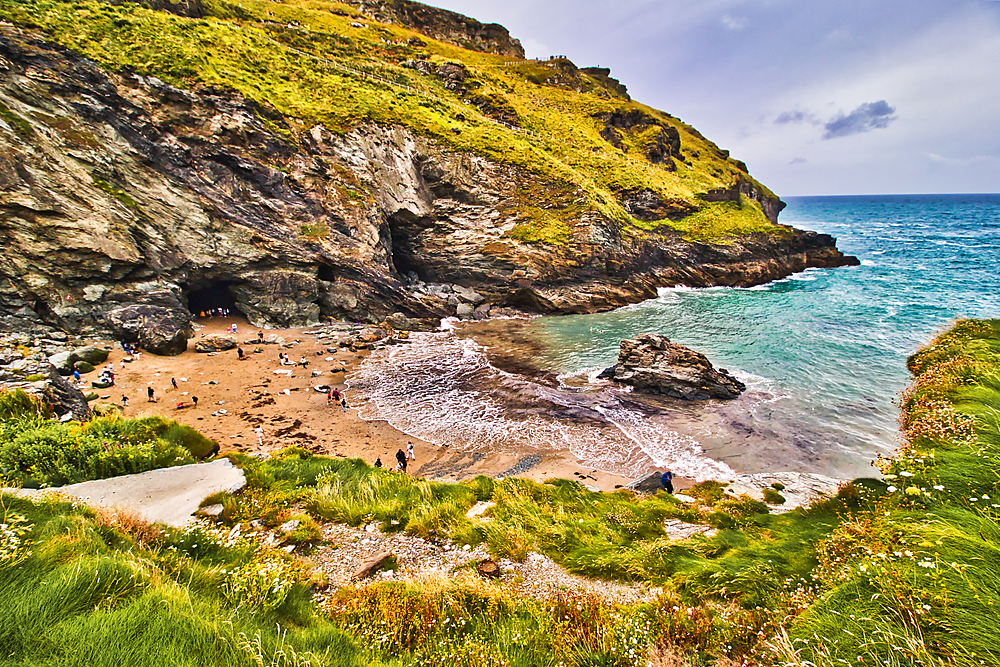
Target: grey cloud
(798, 160)
(795, 117)
(867, 117)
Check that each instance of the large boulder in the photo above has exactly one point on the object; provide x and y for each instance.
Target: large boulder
(650, 362)
(215, 343)
(157, 329)
(92, 354)
(63, 362)
(34, 374)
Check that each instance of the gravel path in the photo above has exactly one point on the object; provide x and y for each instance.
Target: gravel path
(416, 559)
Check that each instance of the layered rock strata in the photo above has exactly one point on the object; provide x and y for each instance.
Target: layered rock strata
(127, 204)
(651, 363)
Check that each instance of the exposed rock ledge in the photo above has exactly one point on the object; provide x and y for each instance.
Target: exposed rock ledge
(650, 362)
(119, 191)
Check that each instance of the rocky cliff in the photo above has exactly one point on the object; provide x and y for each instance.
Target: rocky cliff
(125, 200)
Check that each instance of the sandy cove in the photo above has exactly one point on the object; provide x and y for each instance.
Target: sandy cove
(252, 394)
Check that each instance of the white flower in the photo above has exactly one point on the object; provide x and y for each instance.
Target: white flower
(939, 487)
(906, 474)
(891, 489)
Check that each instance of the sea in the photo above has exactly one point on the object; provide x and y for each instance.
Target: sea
(822, 352)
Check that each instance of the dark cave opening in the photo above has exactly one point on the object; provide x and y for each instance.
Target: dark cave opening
(216, 295)
(402, 234)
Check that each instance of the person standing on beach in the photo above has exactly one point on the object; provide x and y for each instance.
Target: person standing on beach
(173, 381)
(343, 405)
(149, 395)
(668, 482)
(124, 401)
(194, 399)
(409, 451)
(260, 435)
(401, 461)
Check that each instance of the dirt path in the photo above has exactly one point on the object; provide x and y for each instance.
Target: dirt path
(167, 495)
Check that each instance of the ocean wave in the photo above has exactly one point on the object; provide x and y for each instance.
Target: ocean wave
(442, 389)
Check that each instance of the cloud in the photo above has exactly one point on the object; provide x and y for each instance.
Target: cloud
(798, 160)
(796, 118)
(867, 117)
(735, 22)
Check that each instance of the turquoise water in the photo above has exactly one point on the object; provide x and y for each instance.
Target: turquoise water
(824, 351)
(823, 354)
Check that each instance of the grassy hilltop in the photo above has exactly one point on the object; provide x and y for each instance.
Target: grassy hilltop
(323, 62)
(895, 572)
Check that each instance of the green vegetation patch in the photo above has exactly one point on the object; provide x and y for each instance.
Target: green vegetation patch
(36, 451)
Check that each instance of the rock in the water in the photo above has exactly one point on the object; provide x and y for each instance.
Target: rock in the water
(157, 329)
(650, 362)
(464, 310)
(215, 343)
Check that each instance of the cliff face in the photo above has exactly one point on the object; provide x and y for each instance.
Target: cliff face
(443, 25)
(119, 190)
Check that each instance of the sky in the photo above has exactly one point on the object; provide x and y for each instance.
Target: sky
(836, 97)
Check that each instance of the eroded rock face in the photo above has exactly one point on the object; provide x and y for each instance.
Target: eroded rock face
(652, 363)
(125, 203)
(35, 375)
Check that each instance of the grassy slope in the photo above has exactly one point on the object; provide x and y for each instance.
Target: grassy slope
(900, 574)
(245, 46)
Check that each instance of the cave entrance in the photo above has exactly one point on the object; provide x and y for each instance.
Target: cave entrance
(403, 233)
(213, 297)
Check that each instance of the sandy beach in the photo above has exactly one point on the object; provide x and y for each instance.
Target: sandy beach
(235, 397)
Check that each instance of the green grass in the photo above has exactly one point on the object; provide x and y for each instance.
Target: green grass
(895, 572)
(35, 451)
(285, 57)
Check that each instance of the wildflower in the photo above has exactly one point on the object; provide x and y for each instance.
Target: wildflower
(939, 487)
(891, 489)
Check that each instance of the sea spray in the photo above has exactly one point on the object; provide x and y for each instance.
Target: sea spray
(442, 388)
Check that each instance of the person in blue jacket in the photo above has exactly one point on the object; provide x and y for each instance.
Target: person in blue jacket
(668, 481)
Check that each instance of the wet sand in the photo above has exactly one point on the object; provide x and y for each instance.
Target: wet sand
(291, 412)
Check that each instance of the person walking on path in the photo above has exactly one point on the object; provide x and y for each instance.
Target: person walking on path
(150, 395)
(401, 461)
(260, 435)
(668, 481)
(409, 451)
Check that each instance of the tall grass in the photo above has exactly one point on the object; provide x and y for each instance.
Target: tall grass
(35, 451)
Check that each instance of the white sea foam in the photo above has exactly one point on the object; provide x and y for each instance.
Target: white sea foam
(442, 389)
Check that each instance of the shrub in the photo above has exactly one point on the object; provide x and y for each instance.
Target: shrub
(772, 497)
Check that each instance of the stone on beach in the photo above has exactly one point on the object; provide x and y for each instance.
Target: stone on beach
(215, 343)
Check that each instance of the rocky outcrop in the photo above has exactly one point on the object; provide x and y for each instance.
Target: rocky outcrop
(126, 204)
(32, 372)
(650, 362)
(65, 362)
(442, 25)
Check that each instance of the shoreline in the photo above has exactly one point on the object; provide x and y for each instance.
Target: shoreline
(234, 397)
